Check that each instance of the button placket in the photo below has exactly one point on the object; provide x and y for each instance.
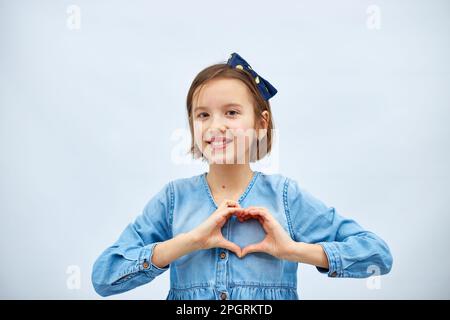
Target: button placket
(222, 260)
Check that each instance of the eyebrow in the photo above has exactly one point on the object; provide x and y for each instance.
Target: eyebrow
(231, 104)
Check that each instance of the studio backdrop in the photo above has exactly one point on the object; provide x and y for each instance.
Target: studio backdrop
(93, 124)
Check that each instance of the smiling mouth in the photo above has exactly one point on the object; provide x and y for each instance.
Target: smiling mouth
(219, 144)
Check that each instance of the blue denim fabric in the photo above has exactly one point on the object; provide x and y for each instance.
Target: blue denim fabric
(183, 204)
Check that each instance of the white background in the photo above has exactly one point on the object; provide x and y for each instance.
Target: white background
(87, 117)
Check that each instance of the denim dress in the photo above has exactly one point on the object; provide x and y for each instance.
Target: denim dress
(218, 274)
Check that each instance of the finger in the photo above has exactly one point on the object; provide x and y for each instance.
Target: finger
(240, 215)
(251, 209)
(228, 212)
(262, 218)
(255, 213)
(245, 215)
(261, 212)
(256, 247)
(234, 210)
(229, 203)
(256, 208)
(265, 221)
(231, 246)
(266, 213)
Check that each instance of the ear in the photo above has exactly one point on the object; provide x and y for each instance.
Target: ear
(264, 120)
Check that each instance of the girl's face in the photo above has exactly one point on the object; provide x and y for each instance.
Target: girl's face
(224, 121)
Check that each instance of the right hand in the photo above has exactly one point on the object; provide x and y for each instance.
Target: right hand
(209, 234)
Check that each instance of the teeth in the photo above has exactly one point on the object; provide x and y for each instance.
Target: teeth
(219, 143)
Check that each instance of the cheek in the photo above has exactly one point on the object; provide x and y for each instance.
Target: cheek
(241, 125)
(244, 129)
(243, 139)
(198, 130)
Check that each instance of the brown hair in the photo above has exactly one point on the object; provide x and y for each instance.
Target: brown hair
(223, 70)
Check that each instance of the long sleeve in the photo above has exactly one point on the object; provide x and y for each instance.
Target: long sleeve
(127, 263)
(351, 251)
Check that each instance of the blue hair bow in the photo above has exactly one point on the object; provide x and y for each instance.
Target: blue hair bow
(265, 88)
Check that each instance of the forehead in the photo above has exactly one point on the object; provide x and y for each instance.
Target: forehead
(218, 92)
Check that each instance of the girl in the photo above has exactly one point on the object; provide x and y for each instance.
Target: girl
(234, 233)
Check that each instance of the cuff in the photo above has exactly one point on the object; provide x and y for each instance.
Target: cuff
(334, 261)
(145, 261)
(143, 264)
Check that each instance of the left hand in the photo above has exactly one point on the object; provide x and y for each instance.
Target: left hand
(276, 243)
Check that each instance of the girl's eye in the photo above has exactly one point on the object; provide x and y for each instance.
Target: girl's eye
(202, 115)
(232, 112)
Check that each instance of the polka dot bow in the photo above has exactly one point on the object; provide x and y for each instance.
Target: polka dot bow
(265, 88)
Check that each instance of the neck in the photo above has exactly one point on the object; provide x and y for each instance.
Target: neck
(229, 176)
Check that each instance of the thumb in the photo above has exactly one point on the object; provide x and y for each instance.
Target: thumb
(231, 246)
(256, 247)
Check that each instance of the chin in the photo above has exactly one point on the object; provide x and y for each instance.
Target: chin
(224, 157)
(220, 159)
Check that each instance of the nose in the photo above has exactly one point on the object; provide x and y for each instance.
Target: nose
(217, 123)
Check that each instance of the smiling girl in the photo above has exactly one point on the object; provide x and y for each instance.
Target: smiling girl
(231, 232)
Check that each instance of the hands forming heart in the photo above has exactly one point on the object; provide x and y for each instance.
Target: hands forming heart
(209, 235)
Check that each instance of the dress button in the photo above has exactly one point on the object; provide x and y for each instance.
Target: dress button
(145, 265)
(223, 255)
(223, 296)
(334, 274)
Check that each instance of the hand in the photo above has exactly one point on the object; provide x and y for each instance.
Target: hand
(276, 243)
(209, 235)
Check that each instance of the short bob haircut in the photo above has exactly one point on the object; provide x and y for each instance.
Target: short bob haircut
(225, 71)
